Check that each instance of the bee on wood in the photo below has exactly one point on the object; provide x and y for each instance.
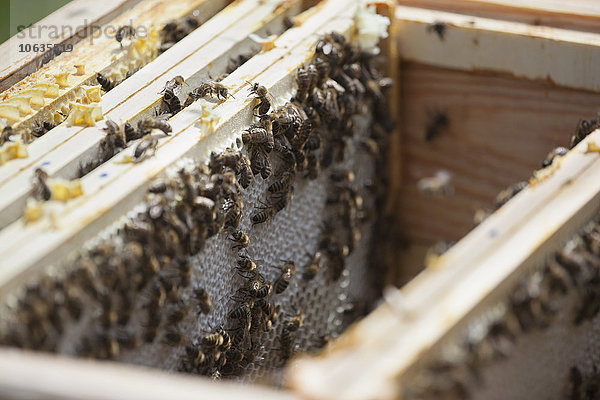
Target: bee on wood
(172, 101)
(557, 152)
(39, 130)
(159, 122)
(438, 122)
(176, 30)
(504, 196)
(285, 180)
(112, 128)
(106, 83)
(41, 191)
(245, 171)
(583, 129)
(207, 88)
(126, 31)
(263, 103)
(174, 85)
(145, 149)
(240, 238)
(439, 28)
(6, 134)
(130, 132)
(203, 300)
(312, 268)
(285, 277)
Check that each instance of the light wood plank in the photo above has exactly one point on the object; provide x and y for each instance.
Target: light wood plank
(114, 187)
(581, 15)
(34, 375)
(562, 57)
(15, 66)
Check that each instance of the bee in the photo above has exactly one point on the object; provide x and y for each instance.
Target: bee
(295, 323)
(246, 264)
(240, 312)
(146, 125)
(264, 215)
(172, 101)
(145, 149)
(240, 238)
(38, 130)
(106, 83)
(264, 104)
(283, 280)
(260, 163)
(312, 268)
(438, 185)
(112, 128)
(184, 271)
(203, 300)
(439, 28)
(313, 166)
(245, 170)
(370, 146)
(286, 344)
(130, 132)
(285, 180)
(504, 196)
(282, 199)
(557, 152)
(41, 191)
(259, 288)
(174, 85)
(323, 70)
(438, 122)
(305, 82)
(176, 30)
(177, 313)
(7, 132)
(583, 129)
(259, 136)
(126, 31)
(208, 88)
(342, 176)
(226, 159)
(174, 338)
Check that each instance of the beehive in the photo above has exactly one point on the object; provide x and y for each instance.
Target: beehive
(97, 270)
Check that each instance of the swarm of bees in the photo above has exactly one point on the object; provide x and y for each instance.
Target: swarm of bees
(137, 278)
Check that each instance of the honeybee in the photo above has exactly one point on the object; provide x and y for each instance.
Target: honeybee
(438, 185)
(259, 288)
(286, 179)
(240, 238)
(174, 338)
(172, 101)
(176, 30)
(312, 268)
(208, 88)
(258, 136)
(246, 264)
(438, 122)
(112, 128)
(245, 170)
(260, 163)
(282, 199)
(174, 85)
(41, 191)
(126, 31)
(583, 129)
(283, 280)
(37, 131)
(203, 300)
(146, 125)
(313, 166)
(438, 27)
(226, 159)
(106, 83)
(264, 104)
(504, 196)
(557, 152)
(295, 323)
(6, 134)
(145, 149)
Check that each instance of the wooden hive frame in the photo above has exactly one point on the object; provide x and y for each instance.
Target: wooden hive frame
(474, 275)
